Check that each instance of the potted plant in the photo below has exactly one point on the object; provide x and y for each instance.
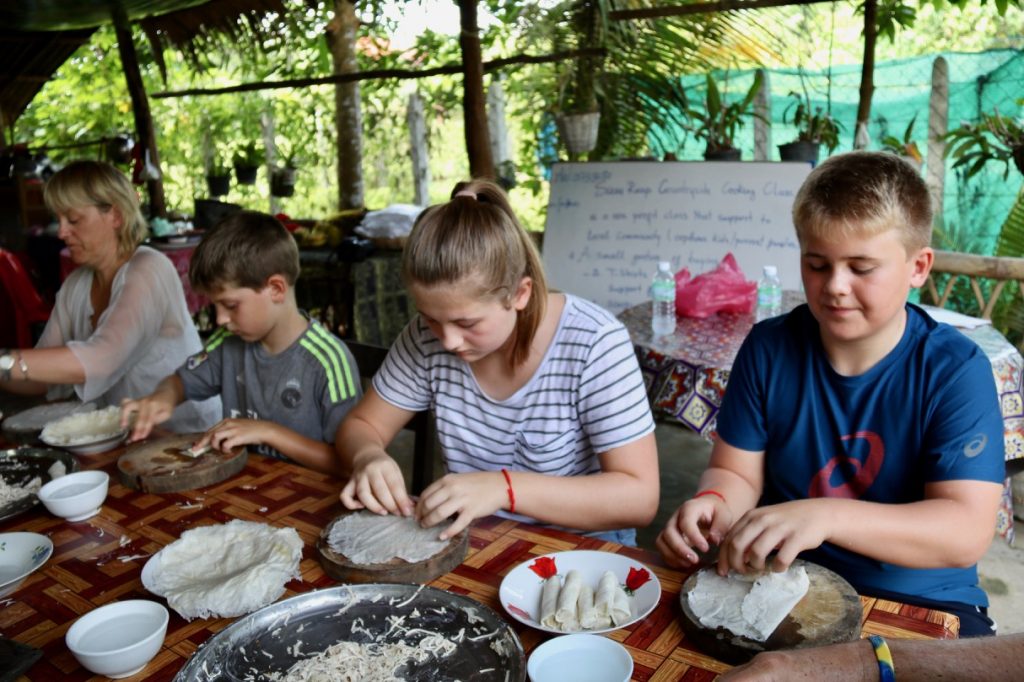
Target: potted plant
(814, 128)
(247, 161)
(218, 177)
(282, 178)
(994, 138)
(717, 122)
(905, 146)
(578, 115)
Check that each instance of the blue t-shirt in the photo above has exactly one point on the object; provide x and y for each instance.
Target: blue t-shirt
(926, 412)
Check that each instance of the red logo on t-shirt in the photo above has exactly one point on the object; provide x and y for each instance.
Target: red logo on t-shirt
(864, 471)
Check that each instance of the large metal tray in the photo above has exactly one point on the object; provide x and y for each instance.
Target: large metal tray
(18, 466)
(268, 641)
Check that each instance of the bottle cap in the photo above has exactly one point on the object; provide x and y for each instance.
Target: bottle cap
(664, 266)
(771, 270)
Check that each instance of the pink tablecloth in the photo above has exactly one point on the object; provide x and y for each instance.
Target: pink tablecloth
(179, 255)
(685, 374)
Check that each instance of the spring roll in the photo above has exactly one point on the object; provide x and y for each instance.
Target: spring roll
(585, 608)
(605, 598)
(549, 602)
(620, 612)
(566, 614)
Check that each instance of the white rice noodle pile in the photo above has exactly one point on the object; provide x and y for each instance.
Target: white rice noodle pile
(84, 427)
(357, 662)
(13, 493)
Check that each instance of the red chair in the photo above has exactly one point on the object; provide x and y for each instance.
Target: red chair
(20, 302)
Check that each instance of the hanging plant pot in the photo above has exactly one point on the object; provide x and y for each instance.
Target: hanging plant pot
(246, 175)
(282, 182)
(218, 184)
(579, 131)
(722, 154)
(800, 150)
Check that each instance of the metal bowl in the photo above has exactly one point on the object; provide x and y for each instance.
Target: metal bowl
(276, 637)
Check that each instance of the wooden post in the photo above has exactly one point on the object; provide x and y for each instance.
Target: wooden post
(418, 150)
(867, 73)
(478, 146)
(763, 126)
(348, 113)
(938, 123)
(267, 128)
(496, 120)
(144, 131)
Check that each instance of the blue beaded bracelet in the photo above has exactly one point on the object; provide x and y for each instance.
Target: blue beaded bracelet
(886, 669)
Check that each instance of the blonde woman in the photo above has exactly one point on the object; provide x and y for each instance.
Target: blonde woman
(120, 323)
(539, 401)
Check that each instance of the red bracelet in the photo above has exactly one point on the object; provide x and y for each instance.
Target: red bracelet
(717, 494)
(511, 493)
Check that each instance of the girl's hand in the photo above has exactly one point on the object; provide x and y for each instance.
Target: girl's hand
(469, 496)
(789, 527)
(377, 485)
(690, 528)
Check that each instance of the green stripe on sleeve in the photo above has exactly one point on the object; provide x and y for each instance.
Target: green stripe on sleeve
(332, 383)
(329, 342)
(218, 338)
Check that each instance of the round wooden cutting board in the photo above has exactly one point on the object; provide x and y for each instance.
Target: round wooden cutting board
(830, 612)
(157, 466)
(341, 569)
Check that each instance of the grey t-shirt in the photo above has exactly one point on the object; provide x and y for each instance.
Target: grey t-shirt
(309, 387)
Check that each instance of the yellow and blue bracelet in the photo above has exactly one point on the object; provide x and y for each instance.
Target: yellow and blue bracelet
(886, 669)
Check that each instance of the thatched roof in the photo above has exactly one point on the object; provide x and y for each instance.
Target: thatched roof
(41, 35)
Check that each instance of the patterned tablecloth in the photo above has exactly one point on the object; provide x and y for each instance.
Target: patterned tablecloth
(100, 560)
(686, 373)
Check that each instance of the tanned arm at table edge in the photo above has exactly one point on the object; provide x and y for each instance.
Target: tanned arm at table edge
(979, 659)
(46, 367)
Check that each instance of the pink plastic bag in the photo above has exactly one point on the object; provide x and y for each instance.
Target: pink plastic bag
(722, 290)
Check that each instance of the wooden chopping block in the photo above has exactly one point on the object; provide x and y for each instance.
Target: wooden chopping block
(339, 567)
(829, 613)
(158, 466)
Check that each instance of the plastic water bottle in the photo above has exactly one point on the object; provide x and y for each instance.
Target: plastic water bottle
(769, 294)
(663, 300)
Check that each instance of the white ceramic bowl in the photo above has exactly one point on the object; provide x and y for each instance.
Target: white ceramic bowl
(76, 496)
(20, 554)
(89, 448)
(118, 639)
(580, 658)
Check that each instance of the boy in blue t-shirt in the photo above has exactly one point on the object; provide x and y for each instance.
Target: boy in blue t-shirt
(284, 380)
(855, 431)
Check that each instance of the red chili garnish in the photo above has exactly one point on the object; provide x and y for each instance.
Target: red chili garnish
(544, 567)
(636, 579)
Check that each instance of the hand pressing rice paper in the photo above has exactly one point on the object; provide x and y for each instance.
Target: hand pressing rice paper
(84, 427)
(369, 539)
(226, 570)
(749, 606)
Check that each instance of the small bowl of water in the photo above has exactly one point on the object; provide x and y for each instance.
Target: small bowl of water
(118, 639)
(580, 658)
(77, 496)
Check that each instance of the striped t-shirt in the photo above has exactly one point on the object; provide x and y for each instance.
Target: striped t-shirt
(586, 397)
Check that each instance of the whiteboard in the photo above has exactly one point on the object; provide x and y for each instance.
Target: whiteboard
(608, 224)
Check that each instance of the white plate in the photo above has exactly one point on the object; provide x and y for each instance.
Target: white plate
(89, 447)
(582, 658)
(520, 590)
(35, 418)
(21, 554)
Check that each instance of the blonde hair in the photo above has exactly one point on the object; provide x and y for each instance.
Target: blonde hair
(863, 194)
(477, 233)
(96, 183)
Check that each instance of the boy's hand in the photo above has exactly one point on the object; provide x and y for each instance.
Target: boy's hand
(690, 528)
(146, 412)
(377, 485)
(469, 495)
(228, 434)
(789, 528)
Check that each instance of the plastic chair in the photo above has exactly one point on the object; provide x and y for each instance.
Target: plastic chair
(20, 302)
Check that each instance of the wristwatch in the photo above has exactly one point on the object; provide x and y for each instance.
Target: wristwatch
(6, 365)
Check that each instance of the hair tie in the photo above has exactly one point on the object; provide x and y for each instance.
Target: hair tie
(466, 193)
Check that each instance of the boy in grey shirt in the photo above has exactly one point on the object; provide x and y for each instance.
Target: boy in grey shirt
(284, 380)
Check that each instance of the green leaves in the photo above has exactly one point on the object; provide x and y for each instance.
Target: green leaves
(994, 138)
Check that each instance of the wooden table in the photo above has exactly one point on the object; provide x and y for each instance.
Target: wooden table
(90, 566)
